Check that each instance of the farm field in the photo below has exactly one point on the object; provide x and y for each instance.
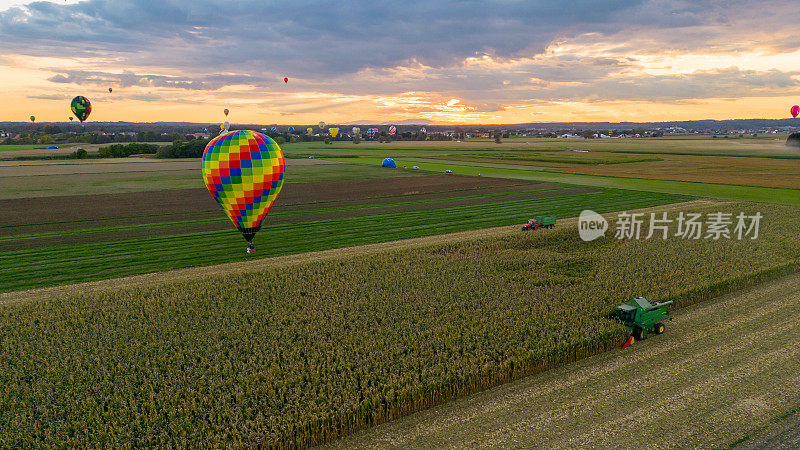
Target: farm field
(704, 383)
(762, 146)
(26, 179)
(355, 341)
(144, 232)
(9, 152)
(754, 169)
(516, 171)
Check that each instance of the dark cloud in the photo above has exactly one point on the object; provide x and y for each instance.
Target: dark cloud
(354, 47)
(129, 79)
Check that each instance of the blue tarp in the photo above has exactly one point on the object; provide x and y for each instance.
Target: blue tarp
(52, 147)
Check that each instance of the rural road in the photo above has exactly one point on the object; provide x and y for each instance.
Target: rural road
(723, 371)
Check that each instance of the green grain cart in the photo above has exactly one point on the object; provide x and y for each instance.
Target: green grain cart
(641, 316)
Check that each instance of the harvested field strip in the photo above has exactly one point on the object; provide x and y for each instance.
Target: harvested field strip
(307, 215)
(97, 206)
(705, 383)
(328, 347)
(71, 263)
(283, 208)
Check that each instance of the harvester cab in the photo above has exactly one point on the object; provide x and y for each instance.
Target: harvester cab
(641, 317)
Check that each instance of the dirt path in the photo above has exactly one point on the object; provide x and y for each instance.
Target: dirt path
(723, 369)
(264, 263)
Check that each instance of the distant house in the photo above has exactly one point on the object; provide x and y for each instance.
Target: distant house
(571, 136)
(200, 135)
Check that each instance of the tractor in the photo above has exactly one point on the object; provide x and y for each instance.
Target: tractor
(641, 317)
(540, 222)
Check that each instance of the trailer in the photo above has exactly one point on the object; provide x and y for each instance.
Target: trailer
(642, 317)
(540, 222)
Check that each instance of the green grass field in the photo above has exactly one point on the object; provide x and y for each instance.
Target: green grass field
(59, 264)
(15, 147)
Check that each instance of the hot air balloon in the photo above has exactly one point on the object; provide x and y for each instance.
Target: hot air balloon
(274, 129)
(309, 130)
(322, 125)
(70, 118)
(285, 80)
(356, 130)
(243, 171)
(33, 118)
(795, 110)
(389, 162)
(81, 107)
(423, 130)
(226, 112)
(109, 90)
(291, 129)
(334, 132)
(392, 129)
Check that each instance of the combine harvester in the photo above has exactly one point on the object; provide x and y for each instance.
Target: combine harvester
(540, 222)
(641, 317)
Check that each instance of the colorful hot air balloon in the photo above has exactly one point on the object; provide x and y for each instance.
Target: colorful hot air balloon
(291, 129)
(70, 118)
(33, 118)
(285, 80)
(109, 90)
(226, 112)
(356, 130)
(423, 130)
(243, 170)
(274, 129)
(81, 107)
(309, 130)
(392, 129)
(322, 125)
(334, 132)
(795, 110)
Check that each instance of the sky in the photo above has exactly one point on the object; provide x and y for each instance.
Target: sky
(367, 61)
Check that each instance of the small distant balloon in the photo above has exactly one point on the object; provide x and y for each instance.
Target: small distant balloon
(321, 125)
(33, 118)
(285, 80)
(70, 118)
(392, 129)
(274, 129)
(226, 112)
(356, 130)
(334, 132)
(110, 90)
(291, 129)
(795, 110)
(309, 130)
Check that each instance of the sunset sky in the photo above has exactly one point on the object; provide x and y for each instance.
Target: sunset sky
(372, 61)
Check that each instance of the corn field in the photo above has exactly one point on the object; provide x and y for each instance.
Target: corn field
(301, 355)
